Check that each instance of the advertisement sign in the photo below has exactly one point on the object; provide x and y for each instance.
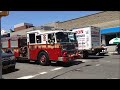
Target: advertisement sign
(84, 38)
(95, 36)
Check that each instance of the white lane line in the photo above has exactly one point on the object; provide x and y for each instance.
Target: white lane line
(84, 60)
(57, 68)
(97, 65)
(26, 77)
(112, 78)
(43, 72)
(31, 76)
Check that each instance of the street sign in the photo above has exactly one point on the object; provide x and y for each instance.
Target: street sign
(4, 13)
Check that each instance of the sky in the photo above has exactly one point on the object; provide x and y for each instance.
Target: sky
(38, 18)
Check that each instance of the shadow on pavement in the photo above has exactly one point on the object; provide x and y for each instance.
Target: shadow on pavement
(104, 55)
(95, 57)
(62, 64)
(23, 61)
(8, 71)
(53, 64)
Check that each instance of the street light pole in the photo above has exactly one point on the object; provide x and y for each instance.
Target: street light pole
(2, 13)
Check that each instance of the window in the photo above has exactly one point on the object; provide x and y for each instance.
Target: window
(51, 37)
(38, 39)
(32, 38)
(66, 37)
(23, 42)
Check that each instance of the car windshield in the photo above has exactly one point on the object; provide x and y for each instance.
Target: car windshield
(66, 37)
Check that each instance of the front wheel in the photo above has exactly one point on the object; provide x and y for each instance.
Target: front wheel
(118, 51)
(43, 59)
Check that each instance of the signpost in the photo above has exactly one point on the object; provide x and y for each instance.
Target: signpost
(2, 13)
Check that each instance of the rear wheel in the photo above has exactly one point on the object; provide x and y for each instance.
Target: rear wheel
(84, 54)
(43, 59)
(12, 68)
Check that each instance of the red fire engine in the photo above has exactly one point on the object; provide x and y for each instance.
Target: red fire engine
(44, 46)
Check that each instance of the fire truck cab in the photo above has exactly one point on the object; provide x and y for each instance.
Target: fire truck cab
(52, 45)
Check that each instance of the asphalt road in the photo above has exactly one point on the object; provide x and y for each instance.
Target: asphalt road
(96, 67)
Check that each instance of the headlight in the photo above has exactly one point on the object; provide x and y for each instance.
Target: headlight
(12, 57)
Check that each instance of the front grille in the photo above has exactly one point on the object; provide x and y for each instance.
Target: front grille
(71, 51)
(68, 46)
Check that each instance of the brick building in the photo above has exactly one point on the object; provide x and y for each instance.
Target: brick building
(104, 19)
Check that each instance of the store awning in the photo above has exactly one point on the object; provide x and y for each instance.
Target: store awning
(110, 30)
(114, 41)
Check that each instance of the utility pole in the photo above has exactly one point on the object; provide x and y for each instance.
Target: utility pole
(2, 13)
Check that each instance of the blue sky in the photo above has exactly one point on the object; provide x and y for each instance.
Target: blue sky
(38, 18)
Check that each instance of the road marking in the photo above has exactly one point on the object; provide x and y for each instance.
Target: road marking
(43, 72)
(57, 68)
(31, 76)
(84, 60)
(97, 65)
(112, 78)
(26, 77)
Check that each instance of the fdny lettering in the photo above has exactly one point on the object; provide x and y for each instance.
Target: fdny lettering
(44, 37)
(79, 31)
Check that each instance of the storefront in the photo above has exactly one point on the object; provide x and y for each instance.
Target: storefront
(108, 34)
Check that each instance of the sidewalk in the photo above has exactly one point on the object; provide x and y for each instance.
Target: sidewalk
(112, 53)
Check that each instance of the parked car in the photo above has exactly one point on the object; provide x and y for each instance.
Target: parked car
(118, 48)
(8, 61)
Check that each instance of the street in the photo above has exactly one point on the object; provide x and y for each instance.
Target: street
(95, 67)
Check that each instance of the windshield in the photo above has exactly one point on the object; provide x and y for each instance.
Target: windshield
(66, 37)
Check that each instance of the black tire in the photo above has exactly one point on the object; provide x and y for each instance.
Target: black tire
(43, 59)
(84, 54)
(12, 68)
(118, 51)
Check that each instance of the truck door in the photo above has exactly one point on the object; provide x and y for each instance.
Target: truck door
(53, 54)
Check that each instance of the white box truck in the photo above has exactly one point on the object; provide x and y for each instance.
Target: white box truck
(89, 41)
